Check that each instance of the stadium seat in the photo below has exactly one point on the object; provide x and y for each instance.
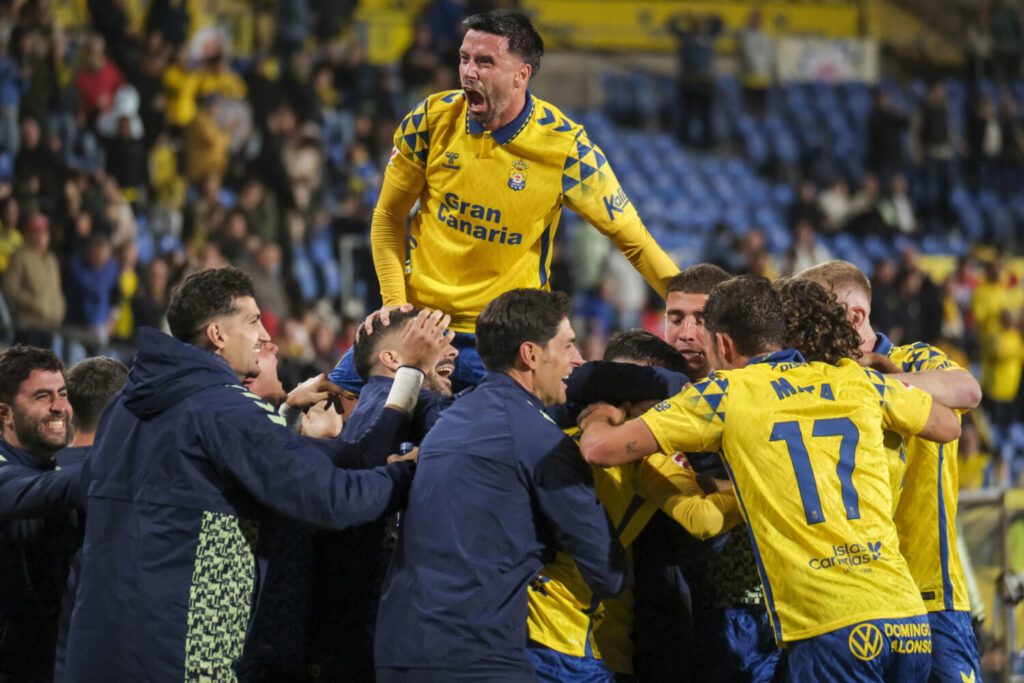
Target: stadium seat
(305, 277)
(330, 278)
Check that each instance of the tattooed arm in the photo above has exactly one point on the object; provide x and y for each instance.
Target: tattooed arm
(608, 440)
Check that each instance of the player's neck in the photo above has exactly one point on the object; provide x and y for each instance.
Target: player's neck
(868, 339)
(523, 378)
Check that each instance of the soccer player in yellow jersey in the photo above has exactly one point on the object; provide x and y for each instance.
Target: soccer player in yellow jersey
(701, 593)
(492, 166)
(926, 511)
(803, 446)
(573, 635)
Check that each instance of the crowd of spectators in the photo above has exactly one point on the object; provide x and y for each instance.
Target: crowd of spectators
(131, 155)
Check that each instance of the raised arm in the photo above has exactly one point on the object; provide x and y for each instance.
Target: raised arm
(604, 204)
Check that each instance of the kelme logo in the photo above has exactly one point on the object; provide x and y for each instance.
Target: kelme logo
(866, 642)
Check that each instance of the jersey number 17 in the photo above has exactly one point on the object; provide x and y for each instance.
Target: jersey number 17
(790, 433)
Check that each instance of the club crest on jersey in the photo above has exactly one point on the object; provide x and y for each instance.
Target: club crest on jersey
(452, 159)
(517, 176)
(680, 459)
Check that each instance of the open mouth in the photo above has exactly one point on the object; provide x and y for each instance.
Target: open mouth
(445, 370)
(59, 426)
(474, 99)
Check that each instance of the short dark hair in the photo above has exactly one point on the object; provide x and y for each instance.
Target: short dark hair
(203, 296)
(749, 310)
(18, 362)
(641, 345)
(517, 316)
(91, 384)
(699, 278)
(366, 347)
(816, 323)
(523, 39)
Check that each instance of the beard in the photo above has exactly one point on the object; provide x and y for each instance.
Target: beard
(32, 436)
(434, 382)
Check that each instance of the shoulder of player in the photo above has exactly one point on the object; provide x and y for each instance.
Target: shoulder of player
(435, 109)
(233, 404)
(551, 122)
(532, 429)
(921, 356)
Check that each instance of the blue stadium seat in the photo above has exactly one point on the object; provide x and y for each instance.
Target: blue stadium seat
(146, 248)
(645, 97)
(170, 244)
(330, 278)
(783, 195)
(320, 247)
(302, 271)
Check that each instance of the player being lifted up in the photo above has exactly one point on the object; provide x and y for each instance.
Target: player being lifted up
(492, 166)
(838, 592)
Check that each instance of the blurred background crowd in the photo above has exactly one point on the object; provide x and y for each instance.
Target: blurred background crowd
(141, 140)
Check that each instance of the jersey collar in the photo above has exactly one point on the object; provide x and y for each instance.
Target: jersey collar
(510, 130)
(882, 344)
(783, 356)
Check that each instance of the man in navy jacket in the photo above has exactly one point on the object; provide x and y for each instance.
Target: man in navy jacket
(38, 535)
(499, 486)
(182, 461)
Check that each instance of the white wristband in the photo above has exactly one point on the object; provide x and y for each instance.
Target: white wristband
(405, 389)
(292, 416)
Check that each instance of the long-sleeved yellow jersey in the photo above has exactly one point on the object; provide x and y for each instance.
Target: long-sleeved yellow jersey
(489, 204)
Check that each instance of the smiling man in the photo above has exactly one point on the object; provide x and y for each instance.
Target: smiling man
(182, 463)
(492, 166)
(498, 486)
(35, 553)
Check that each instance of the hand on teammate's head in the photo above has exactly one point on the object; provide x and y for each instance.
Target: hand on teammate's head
(384, 313)
(425, 338)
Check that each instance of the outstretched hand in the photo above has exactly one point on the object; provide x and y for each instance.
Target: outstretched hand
(314, 390)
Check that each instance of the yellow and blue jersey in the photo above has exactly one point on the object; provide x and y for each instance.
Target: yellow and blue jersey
(926, 512)
(564, 613)
(489, 204)
(803, 447)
